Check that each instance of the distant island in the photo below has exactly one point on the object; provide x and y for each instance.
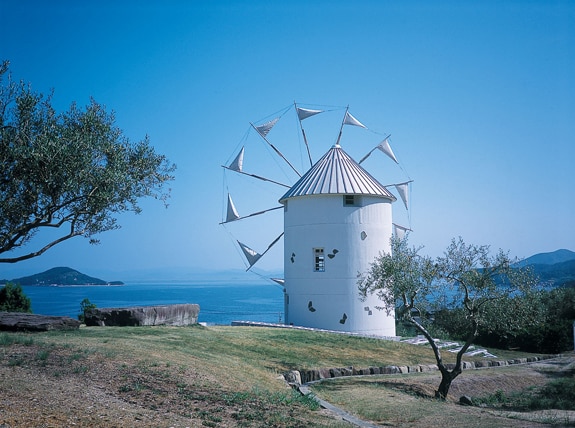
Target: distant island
(60, 276)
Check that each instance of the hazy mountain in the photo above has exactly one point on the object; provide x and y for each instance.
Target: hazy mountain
(551, 258)
(558, 274)
(61, 276)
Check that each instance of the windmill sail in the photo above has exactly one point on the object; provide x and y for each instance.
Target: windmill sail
(350, 120)
(304, 113)
(251, 255)
(400, 231)
(386, 148)
(232, 218)
(376, 147)
(263, 131)
(403, 190)
(238, 163)
(266, 127)
(232, 213)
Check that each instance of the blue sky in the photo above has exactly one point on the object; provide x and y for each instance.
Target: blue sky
(479, 98)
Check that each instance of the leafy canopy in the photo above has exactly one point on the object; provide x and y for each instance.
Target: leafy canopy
(73, 171)
(13, 299)
(483, 287)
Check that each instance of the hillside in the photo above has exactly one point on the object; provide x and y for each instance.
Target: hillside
(557, 274)
(228, 377)
(61, 276)
(555, 269)
(551, 258)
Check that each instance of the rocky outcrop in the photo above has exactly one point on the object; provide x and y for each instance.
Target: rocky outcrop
(19, 321)
(174, 315)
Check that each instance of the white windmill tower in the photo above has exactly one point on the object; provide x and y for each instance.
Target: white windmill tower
(337, 219)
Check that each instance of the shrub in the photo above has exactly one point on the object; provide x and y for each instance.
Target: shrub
(85, 306)
(13, 299)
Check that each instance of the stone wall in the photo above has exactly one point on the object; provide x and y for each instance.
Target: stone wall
(174, 315)
(301, 377)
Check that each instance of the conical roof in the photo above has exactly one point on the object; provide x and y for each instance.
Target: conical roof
(337, 173)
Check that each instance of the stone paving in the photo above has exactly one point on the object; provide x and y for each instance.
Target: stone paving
(450, 347)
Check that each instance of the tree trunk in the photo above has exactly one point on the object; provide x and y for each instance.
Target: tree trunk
(446, 379)
(443, 389)
(446, 375)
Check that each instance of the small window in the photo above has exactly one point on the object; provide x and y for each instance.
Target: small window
(351, 200)
(318, 260)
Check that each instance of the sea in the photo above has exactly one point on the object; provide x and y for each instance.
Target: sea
(221, 302)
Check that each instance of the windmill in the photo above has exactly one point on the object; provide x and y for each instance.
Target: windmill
(337, 218)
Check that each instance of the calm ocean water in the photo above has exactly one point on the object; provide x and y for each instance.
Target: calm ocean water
(220, 302)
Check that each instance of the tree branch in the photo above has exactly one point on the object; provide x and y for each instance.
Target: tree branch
(42, 250)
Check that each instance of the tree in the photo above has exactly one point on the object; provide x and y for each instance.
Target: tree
(73, 171)
(13, 299)
(85, 307)
(466, 278)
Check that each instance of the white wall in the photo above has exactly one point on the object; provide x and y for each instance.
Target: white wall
(359, 234)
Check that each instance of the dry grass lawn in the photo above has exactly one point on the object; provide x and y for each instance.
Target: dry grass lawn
(196, 376)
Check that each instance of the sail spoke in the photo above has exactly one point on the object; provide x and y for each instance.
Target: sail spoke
(263, 133)
(250, 215)
(259, 177)
(348, 119)
(384, 147)
(304, 113)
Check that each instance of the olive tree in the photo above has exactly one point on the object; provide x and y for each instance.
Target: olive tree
(72, 172)
(467, 277)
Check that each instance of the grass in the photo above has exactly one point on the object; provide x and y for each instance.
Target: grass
(557, 394)
(225, 375)
(379, 401)
(252, 353)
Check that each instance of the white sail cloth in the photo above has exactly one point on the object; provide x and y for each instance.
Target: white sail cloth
(304, 113)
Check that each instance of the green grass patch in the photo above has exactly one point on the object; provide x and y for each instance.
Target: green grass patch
(8, 339)
(42, 355)
(558, 394)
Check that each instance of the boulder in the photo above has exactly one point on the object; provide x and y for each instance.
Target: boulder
(293, 377)
(174, 315)
(20, 321)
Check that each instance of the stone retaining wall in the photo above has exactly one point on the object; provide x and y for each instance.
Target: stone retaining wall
(300, 377)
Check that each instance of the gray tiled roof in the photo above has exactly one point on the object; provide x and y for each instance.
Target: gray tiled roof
(337, 173)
